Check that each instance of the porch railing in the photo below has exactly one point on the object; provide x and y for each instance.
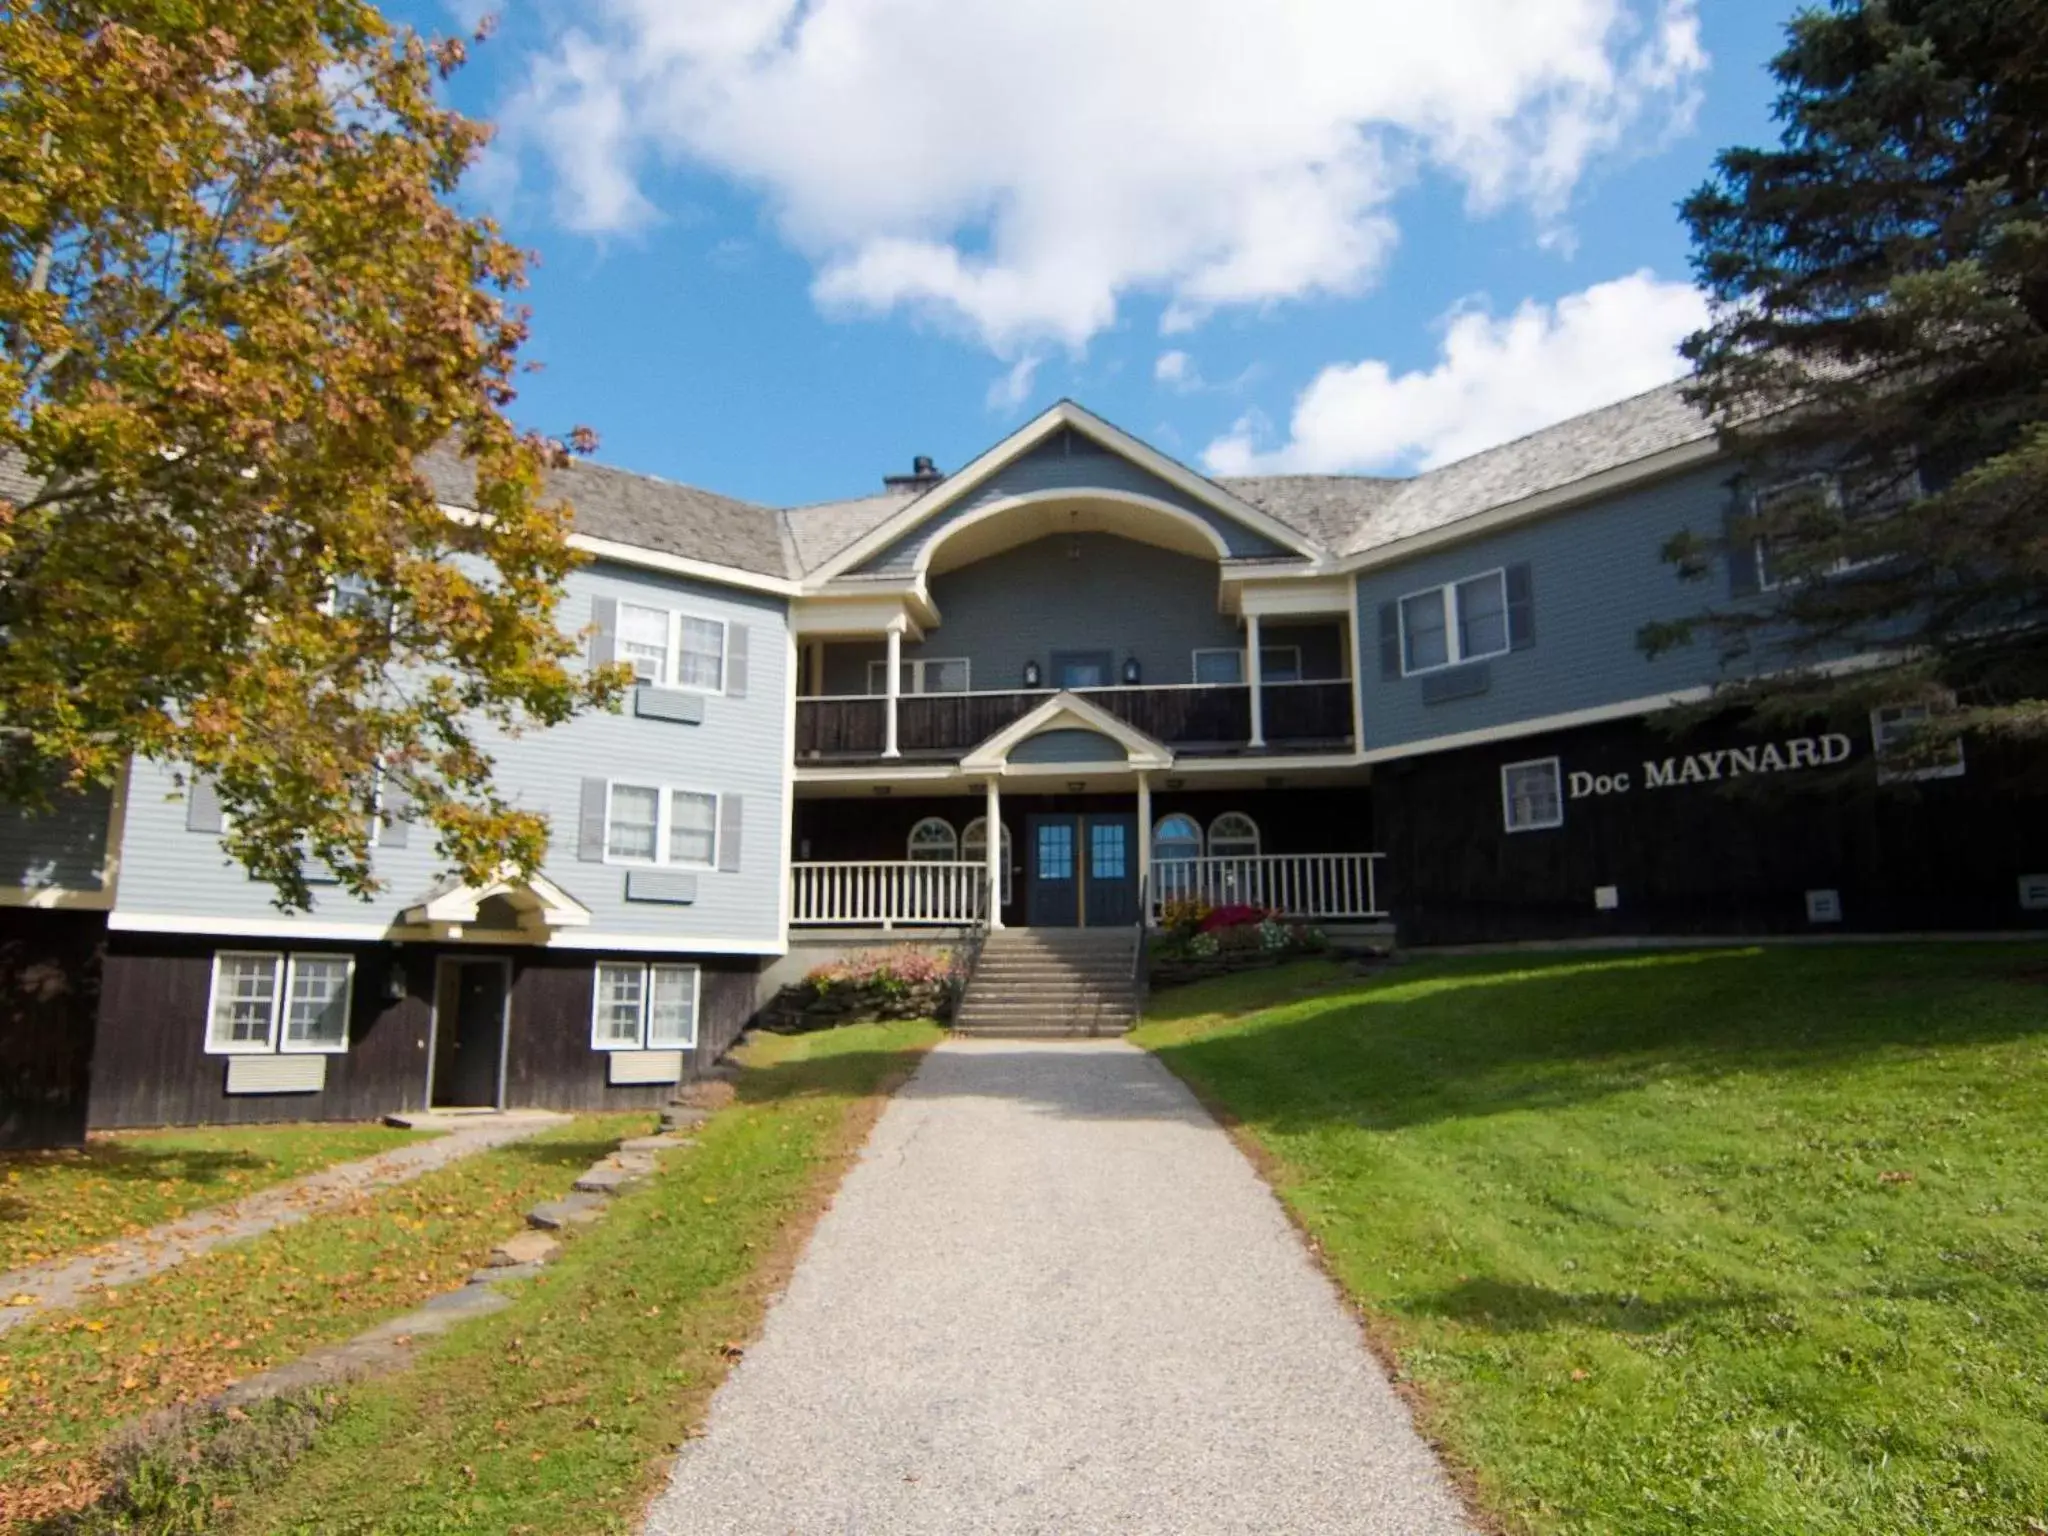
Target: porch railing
(1319, 886)
(889, 893)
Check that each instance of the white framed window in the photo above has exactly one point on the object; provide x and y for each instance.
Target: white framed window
(1280, 663)
(1891, 729)
(660, 824)
(924, 674)
(644, 1007)
(1458, 622)
(1532, 795)
(974, 850)
(1176, 839)
(263, 1001)
(933, 841)
(1233, 835)
(1220, 664)
(672, 649)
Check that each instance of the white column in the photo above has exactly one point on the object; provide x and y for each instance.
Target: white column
(994, 813)
(895, 690)
(1256, 675)
(1357, 681)
(1145, 847)
(817, 669)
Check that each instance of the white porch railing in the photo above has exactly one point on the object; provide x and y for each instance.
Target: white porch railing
(1315, 886)
(888, 893)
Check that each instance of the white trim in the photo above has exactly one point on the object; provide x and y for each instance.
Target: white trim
(671, 676)
(1063, 414)
(1596, 714)
(1311, 593)
(298, 929)
(1258, 839)
(787, 747)
(682, 565)
(1158, 827)
(910, 851)
(1005, 852)
(268, 1046)
(1067, 710)
(644, 1041)
(1507, 804)
(1218, 545)
(664, 822)
(1454, 646)
(348, 1002)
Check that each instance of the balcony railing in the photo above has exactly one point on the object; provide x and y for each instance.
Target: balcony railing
(888, 893)
(1196, 717)
(1309, 886)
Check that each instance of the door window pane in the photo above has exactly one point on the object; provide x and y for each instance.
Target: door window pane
(949, 676)
(634, 822)
(672, 1007)
(620, 992)
(693, 828)
(316, 1014)
(244, 1000)
(643, 641)
(1219, 666)
(1106, 850)
(1056, 851)
(702, 663)
(1482, 616)
(1280, 663)
(1424, 640)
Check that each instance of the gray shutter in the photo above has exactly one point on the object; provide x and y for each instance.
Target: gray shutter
(604, 645)
(1390, 640)
(736, 660)
(1739, 539)
(202, 807)
(1521, 608)
(590, 823)
(397, 827)
(730, 813)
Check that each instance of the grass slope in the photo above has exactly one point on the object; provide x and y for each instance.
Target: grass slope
(1743, 1241)
(69, 1380)
(54, 1203)
(561, 1413)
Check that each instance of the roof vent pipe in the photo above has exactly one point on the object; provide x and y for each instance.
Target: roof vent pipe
(924, 474)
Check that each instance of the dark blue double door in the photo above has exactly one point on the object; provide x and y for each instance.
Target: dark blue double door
(1082, 871)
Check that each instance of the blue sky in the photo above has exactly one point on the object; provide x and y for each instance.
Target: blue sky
(784, 245)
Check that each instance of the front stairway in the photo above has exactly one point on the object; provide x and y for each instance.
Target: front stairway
(1048, 983)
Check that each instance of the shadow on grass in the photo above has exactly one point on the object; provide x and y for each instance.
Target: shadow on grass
(579, 1153)
(1512, 1306)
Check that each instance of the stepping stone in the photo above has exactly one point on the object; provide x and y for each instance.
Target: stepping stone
(652, 1143)
(572, 1210)
(632, 1162)
(523, 1248)
(601, 1180)
(505, 1272)
(683, 1117)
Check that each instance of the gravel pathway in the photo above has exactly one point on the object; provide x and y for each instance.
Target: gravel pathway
(63, 1282)
(1053, 1296)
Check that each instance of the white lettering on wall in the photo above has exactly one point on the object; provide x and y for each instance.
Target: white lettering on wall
(1723, 763)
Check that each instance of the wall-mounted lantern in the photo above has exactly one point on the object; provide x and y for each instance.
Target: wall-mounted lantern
(1031, 674)
(1133, 673)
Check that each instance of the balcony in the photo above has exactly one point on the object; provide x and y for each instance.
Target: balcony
(1193, 718)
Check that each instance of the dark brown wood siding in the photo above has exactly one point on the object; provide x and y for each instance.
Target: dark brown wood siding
(152, 1067)
(1706, 858)
(49, 998)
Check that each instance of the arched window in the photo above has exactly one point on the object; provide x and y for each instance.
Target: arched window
(934, 841)
(974, 849)
(1233, 835)
(1176, 837)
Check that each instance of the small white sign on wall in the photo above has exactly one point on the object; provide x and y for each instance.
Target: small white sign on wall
(1606, 898)
(1823, 906)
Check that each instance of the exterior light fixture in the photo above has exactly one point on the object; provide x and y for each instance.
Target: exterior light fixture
(394, 979)
(1133, 673)
(1031, 674)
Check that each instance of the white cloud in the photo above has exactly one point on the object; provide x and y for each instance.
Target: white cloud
(1176, 370)
(1015, 168)
(1011, 390)
(1495, 380)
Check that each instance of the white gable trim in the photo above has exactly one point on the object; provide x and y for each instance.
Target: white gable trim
(1067, 712)
(1065, 414)
(543, 906)
(995, 509)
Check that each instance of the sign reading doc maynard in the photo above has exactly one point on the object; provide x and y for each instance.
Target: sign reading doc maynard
(1789, 756)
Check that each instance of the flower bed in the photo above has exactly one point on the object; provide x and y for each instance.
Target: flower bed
(867, 988)
(1196, 941)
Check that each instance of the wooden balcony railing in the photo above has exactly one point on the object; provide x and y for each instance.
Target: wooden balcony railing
(889, 893)
(1310, 886)
(1200, 717)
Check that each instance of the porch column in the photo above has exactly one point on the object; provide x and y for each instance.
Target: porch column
(895, 690)
(1256, 675)
(994, 812)
(1351, 670)
(1145, 848)
(817, 659)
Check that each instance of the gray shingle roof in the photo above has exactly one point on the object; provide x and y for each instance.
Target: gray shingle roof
(822, 530)
(1327, 508)
(647, 513)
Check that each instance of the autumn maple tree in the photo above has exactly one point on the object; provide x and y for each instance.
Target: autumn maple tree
(237, 305)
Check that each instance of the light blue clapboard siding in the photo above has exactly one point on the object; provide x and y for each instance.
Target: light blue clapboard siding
(1115, 595)
(1067, 461)
(740, 747)
(62, 848)
(1597, 578)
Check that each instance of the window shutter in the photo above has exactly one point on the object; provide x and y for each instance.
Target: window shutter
(604, 645)
(1390, 640)
(202, 807)
(1739, 536)
(736, 660)
(590, 823)
(397, 825)
(1521, 608)
(730, 810)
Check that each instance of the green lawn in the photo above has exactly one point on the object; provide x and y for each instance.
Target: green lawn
(69, 1380)
(1728, 1241)
(561, 1413)
(54, 1203)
